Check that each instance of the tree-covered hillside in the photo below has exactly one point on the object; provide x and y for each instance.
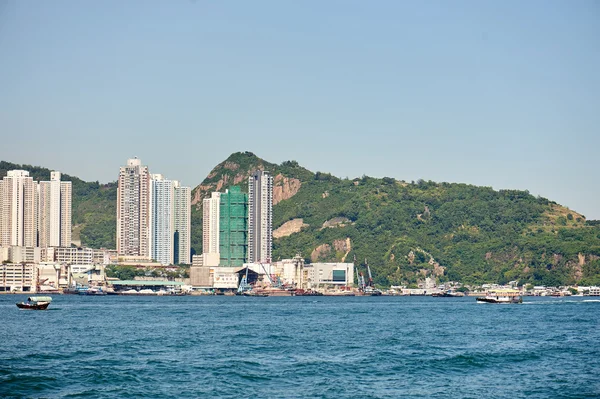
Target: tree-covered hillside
(407, 231)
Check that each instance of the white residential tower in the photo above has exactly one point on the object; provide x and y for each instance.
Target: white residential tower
(260, 217)
(133, 210)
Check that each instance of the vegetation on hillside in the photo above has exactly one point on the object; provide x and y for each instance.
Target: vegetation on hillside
(407, 231)
(235, 171)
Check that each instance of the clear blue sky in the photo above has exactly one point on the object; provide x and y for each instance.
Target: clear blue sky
(495, 93)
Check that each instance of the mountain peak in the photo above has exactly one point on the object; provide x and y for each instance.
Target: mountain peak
(236, 169)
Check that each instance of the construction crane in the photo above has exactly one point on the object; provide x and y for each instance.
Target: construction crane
(370, 289)
(360, 277)
(274, 279)
(244, 286)
(370, 283)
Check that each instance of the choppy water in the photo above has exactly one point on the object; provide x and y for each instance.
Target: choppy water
(310, 347)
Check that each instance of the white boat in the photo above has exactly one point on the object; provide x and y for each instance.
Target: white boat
(501, 296)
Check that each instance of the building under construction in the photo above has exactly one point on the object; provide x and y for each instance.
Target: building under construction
(233, 227)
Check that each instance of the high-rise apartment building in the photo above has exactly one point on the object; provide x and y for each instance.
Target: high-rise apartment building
(182, 224)
(133, 210)
(18, 210)
(54, 220)
(153, 216)
(233, 227)
(210, 224)
(170, 221)
(260, 217)
(161, 219)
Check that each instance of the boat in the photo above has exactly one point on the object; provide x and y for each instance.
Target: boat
(271, 291)
(371, 291)
(253, 293)
(501, 296)
(91, 291)
(448, 294)
(35, 303)
(339, 293)
(308, 292)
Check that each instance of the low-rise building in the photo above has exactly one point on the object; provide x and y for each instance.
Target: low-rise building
(16, 254)
(16, 277)
(329, 274)
(200, 277)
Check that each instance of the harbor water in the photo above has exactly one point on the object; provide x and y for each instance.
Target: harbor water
(299, 347)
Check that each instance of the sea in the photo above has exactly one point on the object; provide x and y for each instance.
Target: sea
(299, 347)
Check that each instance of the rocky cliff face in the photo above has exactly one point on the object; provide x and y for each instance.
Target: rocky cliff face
(289, 228)
(338, 250)
(284, 188)
(236, 170)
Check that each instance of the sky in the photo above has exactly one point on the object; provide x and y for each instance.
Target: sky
(504, 94)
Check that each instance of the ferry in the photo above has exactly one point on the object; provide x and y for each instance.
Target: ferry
(501, 296)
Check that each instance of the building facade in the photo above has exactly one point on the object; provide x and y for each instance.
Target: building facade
(170, 221)
(18, 277)
(133, 210)
(161, 219)
(210, 224)
(18, 210)
(329, 274)
(54, 217)
(233, 227)
(260, 217)
(182, 222)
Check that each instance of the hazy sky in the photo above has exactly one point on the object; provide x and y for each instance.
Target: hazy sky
(494, 93)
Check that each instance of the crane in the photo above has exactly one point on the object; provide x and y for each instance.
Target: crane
(244, 286)
(370, 283)
(274, 279)
(370, 289)
(360, 277)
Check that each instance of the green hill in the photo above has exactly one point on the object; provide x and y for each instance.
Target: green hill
(407, 231)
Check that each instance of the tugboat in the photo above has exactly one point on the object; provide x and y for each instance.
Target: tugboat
(35, 303)
(501, 296)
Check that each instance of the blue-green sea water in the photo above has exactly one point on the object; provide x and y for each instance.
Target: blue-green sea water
(299, 347)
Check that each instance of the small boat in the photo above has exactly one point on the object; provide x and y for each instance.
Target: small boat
(91, 291)
(254, 293)
(501, 296)
(35, 303)
(339, 293)
(372, 291)
(309, 292)
(448, 294)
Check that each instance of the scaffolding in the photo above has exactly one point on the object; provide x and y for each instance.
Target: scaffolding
(233, 227)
